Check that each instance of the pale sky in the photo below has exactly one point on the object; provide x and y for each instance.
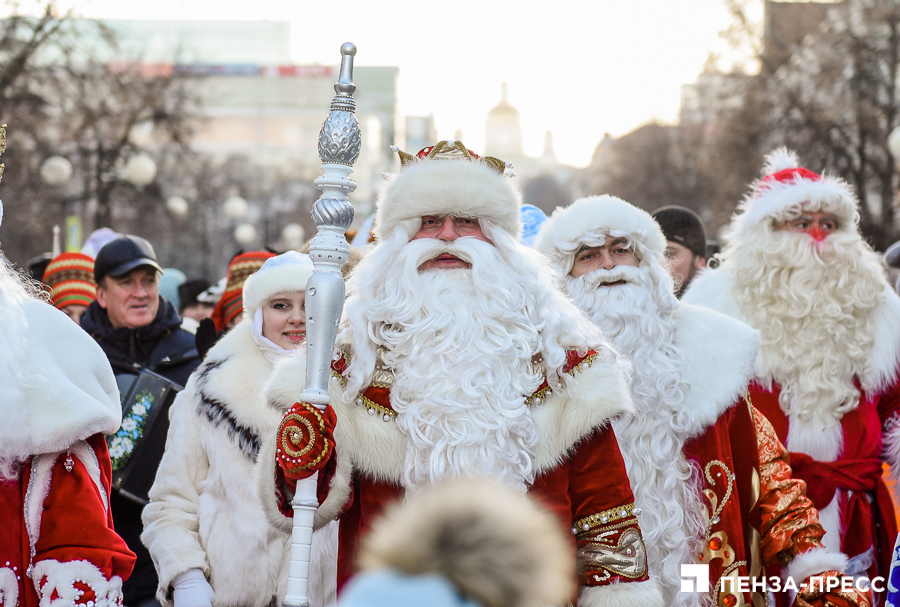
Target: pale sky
(578, 68)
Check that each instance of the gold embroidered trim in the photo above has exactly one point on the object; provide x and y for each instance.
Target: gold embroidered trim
(541, 395)
(612, 515)
(627, 557)
(370, 405)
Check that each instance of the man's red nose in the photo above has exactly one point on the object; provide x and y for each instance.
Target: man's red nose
(817, 234)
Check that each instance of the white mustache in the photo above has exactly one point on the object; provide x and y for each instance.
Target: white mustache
(461, 248)
(597, 278)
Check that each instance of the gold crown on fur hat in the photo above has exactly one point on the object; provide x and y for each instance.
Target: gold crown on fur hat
(451, 150)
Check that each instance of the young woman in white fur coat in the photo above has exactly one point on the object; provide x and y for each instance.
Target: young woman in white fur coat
(205, 526)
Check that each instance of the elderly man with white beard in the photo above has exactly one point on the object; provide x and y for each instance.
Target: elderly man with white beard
(459, 358)
(796, 268)
(712, 479)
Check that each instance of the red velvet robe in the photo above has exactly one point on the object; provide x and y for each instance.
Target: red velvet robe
(588, 490)
(857, 473)
(75, 555)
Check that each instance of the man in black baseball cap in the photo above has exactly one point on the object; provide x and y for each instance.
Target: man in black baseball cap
(122, 255)
(685, 243)
(137, 329)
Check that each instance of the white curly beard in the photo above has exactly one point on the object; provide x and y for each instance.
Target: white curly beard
(461, 344)
(813, 304)
(665, 483)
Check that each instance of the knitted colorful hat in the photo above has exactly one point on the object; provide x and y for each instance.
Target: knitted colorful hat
(232, 303)
(70, 278)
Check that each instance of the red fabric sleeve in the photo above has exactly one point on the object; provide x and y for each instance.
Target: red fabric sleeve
(610, 544)
(77, 540)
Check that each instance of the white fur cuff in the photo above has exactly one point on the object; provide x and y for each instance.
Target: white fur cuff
(813, 562)
(626, 594)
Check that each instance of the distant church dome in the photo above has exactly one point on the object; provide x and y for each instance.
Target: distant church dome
(503, 137)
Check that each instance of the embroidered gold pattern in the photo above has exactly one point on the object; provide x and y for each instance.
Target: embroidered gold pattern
(289, 438)
(626, 557)
(546, 391)
(602, 518)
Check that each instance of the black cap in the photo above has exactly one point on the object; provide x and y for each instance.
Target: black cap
(122, 255)
(683, 226)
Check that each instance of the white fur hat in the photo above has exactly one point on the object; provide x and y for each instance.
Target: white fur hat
(787, 189)
(283, 273)
(468, 187)
(606, 213)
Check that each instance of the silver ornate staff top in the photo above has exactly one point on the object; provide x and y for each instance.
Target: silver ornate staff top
(339, 145)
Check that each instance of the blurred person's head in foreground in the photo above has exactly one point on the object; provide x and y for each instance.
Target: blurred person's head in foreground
(464, 543)
(70, 279)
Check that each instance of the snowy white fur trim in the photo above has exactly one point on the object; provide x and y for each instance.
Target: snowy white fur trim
(776, 201)
(448, 187)
(68, 389)
(9, 587)
(713, 289)
(569, 224)
(717, 370)
(61, 579)
(285, 273)
(38, 490)
(624, 594)
(830, 519)
(813, 562)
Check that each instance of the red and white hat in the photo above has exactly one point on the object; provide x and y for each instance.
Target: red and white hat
(787, 189)
(448, 179)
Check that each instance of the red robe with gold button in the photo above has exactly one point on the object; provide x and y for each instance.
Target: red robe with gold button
(580, 474)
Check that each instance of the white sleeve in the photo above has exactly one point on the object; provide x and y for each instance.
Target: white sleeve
(171, 519)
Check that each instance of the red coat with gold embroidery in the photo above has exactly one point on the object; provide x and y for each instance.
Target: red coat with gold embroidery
(580, 473)
(58, 544)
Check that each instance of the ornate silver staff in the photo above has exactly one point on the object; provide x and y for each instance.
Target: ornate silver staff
(339, 144)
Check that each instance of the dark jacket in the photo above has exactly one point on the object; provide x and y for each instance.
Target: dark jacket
(164, 348)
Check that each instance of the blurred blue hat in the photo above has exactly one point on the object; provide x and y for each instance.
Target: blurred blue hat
(532, 219)
(171, 279)
(391, 589)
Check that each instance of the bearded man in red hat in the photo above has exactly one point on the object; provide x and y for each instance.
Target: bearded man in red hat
(712, 478)
(797, 269)
(459, 358)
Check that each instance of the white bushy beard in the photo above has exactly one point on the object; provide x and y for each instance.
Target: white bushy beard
(813, 304)
(637, 316)
(461, 345)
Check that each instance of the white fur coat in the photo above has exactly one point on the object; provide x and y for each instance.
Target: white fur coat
(204, 512)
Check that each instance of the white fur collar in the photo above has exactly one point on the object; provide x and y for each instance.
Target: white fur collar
(712, 288)
(720, 356)
(67, 393)
(592, 396)
(235, 373)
